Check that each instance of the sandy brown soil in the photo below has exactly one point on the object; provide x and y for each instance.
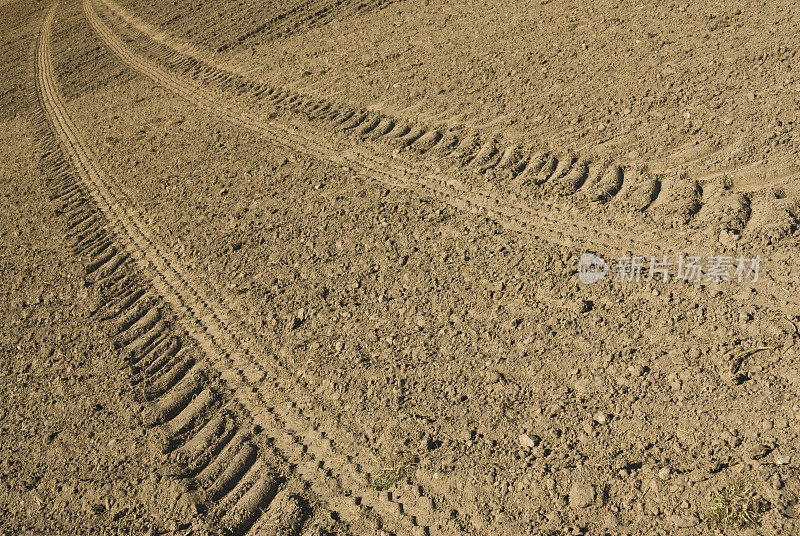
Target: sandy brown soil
(624, 78)
(312, 268)
(76, 458)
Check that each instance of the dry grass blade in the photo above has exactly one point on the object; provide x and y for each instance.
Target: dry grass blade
(735, 506)
(389, 476)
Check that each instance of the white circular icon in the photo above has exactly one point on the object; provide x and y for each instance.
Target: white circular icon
(591, 268)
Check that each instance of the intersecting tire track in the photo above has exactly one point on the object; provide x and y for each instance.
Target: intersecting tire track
(603, 183)
(341, 483)
(207, 396)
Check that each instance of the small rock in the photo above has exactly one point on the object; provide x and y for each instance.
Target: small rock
(601, 417)
(581, 495)
(426, 503)
(295, 322)
(734, 378)
(714, 466)
(636, 370)
(755, 450)
(529, 442)
(664, 473)
(582, 306)
(731, 439)
(554, 518)
(492, 376)
(728, 239)
(588, 427)
(698, 475)
(684, 521)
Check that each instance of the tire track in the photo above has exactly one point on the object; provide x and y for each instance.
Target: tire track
(638, 200)
(604, 180)
(313, 452)
(202, 425)
(598, 188)
(183, 395)
(586, 205)
(549, 222)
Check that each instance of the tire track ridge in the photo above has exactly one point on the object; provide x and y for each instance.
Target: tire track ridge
(416, 137)
(672, 199)
(655, 197)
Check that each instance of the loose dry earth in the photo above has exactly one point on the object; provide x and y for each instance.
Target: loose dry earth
(312, 267)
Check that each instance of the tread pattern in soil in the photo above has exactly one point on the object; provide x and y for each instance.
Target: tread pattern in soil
(524, 182)
(203, 386)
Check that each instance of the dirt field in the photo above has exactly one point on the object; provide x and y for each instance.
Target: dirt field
(389, 267)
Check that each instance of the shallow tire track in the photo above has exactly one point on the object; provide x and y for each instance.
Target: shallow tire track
(340, 482)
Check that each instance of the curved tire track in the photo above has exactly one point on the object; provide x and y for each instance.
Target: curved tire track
(197, 392)
(548, 222)
(478, 154)
(208, 318)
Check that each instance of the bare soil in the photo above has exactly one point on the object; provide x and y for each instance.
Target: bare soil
(312, 267)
